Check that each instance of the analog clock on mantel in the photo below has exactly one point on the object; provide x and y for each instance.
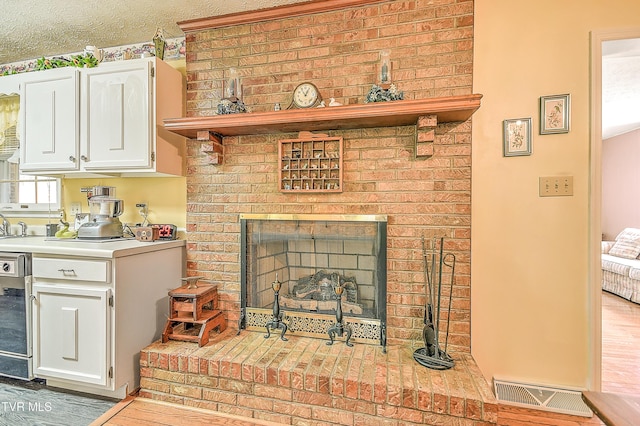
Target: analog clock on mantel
(305, 95)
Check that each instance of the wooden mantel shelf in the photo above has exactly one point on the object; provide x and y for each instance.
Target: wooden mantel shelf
(379, 114)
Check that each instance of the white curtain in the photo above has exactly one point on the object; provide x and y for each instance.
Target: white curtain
(9, 139)
(9, 145)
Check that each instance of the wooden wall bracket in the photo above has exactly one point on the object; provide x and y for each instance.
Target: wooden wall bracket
(211, 146)
(425, 135)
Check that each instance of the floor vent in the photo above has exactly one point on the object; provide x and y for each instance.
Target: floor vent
(563, 401)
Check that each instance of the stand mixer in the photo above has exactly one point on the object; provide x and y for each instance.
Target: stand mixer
(104, 210)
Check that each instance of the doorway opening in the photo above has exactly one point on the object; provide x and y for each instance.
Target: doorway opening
(615, 121)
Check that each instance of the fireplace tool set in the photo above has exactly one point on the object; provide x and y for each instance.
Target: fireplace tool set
(435, 264)
(338, 329)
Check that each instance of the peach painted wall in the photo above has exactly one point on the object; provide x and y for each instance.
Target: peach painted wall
(620, 184)
(530, 255)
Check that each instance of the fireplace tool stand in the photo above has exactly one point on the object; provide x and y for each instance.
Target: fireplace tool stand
(339, 328)
(276, 322)
(431, 355)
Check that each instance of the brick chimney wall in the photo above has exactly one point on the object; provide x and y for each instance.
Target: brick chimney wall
(430, 44)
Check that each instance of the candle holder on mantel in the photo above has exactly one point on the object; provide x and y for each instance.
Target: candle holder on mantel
(384, 90)
(339, 328)
(385, 70)
(276, 322)
(231, 102)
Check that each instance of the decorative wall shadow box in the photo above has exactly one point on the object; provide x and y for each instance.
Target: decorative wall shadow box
(312, 163)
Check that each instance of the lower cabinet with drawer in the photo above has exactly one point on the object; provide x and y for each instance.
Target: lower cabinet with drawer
(72, 330)
(91, 317)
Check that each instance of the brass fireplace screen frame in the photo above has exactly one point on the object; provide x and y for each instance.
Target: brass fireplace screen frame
(300, 323)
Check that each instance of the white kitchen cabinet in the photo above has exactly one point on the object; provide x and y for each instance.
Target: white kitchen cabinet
(72, 329)
(118, 109)
(49, 110)
(93, 315)
(10, 84)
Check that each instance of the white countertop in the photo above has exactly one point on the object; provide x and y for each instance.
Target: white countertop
(75, 247)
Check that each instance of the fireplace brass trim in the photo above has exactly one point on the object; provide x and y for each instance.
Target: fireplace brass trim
(365, 330)
(317, 217)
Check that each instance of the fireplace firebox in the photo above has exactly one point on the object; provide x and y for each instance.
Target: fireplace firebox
(305, 258)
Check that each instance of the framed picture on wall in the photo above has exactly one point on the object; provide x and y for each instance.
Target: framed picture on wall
(517, 136)
(554, 114)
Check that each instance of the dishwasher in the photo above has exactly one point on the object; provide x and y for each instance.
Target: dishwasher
(16, 353)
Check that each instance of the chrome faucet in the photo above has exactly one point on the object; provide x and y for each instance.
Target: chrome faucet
(6, 226)
(23, 229)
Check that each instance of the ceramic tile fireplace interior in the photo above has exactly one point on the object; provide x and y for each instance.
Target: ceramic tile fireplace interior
(309, 255)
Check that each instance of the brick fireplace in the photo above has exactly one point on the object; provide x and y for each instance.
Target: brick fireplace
(430, 45)
(423, 193)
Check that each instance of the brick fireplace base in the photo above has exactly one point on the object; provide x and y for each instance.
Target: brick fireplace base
(305, 381)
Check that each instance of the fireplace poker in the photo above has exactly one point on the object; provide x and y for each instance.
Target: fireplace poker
(437, 327)
(453, 270)
(428, 334)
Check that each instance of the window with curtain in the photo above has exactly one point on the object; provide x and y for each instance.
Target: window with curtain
(23, 194)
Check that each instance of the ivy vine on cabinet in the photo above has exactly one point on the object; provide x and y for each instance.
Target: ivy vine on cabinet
(102, 120)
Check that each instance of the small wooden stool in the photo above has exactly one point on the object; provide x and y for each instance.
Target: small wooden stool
(191, 307)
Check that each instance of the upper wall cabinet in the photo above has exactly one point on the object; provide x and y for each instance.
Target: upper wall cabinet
(50, 120)
(103, 120)
(10, 84)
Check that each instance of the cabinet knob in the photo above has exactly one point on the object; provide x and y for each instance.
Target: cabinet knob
(83, 158)
(72, 158)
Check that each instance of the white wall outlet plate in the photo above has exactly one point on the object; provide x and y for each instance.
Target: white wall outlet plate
(74, 209)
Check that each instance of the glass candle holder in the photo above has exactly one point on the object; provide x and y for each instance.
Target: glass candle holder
(385, 68)
(232, 88)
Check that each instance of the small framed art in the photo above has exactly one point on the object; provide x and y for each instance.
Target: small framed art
(554, 114)
(517, 137)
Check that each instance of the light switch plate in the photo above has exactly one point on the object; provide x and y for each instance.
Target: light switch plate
(556, 186)
(75, 209)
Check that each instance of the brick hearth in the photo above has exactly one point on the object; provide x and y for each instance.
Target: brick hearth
(305, 381)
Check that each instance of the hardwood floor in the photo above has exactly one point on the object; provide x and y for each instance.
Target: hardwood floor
(146, 412)
(620, 345)
(136, 411)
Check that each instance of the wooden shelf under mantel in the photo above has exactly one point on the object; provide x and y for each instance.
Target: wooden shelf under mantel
(379, 114)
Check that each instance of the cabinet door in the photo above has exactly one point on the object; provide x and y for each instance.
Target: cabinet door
(49, 107)
(71, 329)
(117, 116)
(10, 84)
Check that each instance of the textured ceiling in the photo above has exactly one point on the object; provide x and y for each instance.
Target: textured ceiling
(30, 29)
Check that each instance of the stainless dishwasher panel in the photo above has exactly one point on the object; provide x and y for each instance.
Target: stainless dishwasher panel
(15, 316)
